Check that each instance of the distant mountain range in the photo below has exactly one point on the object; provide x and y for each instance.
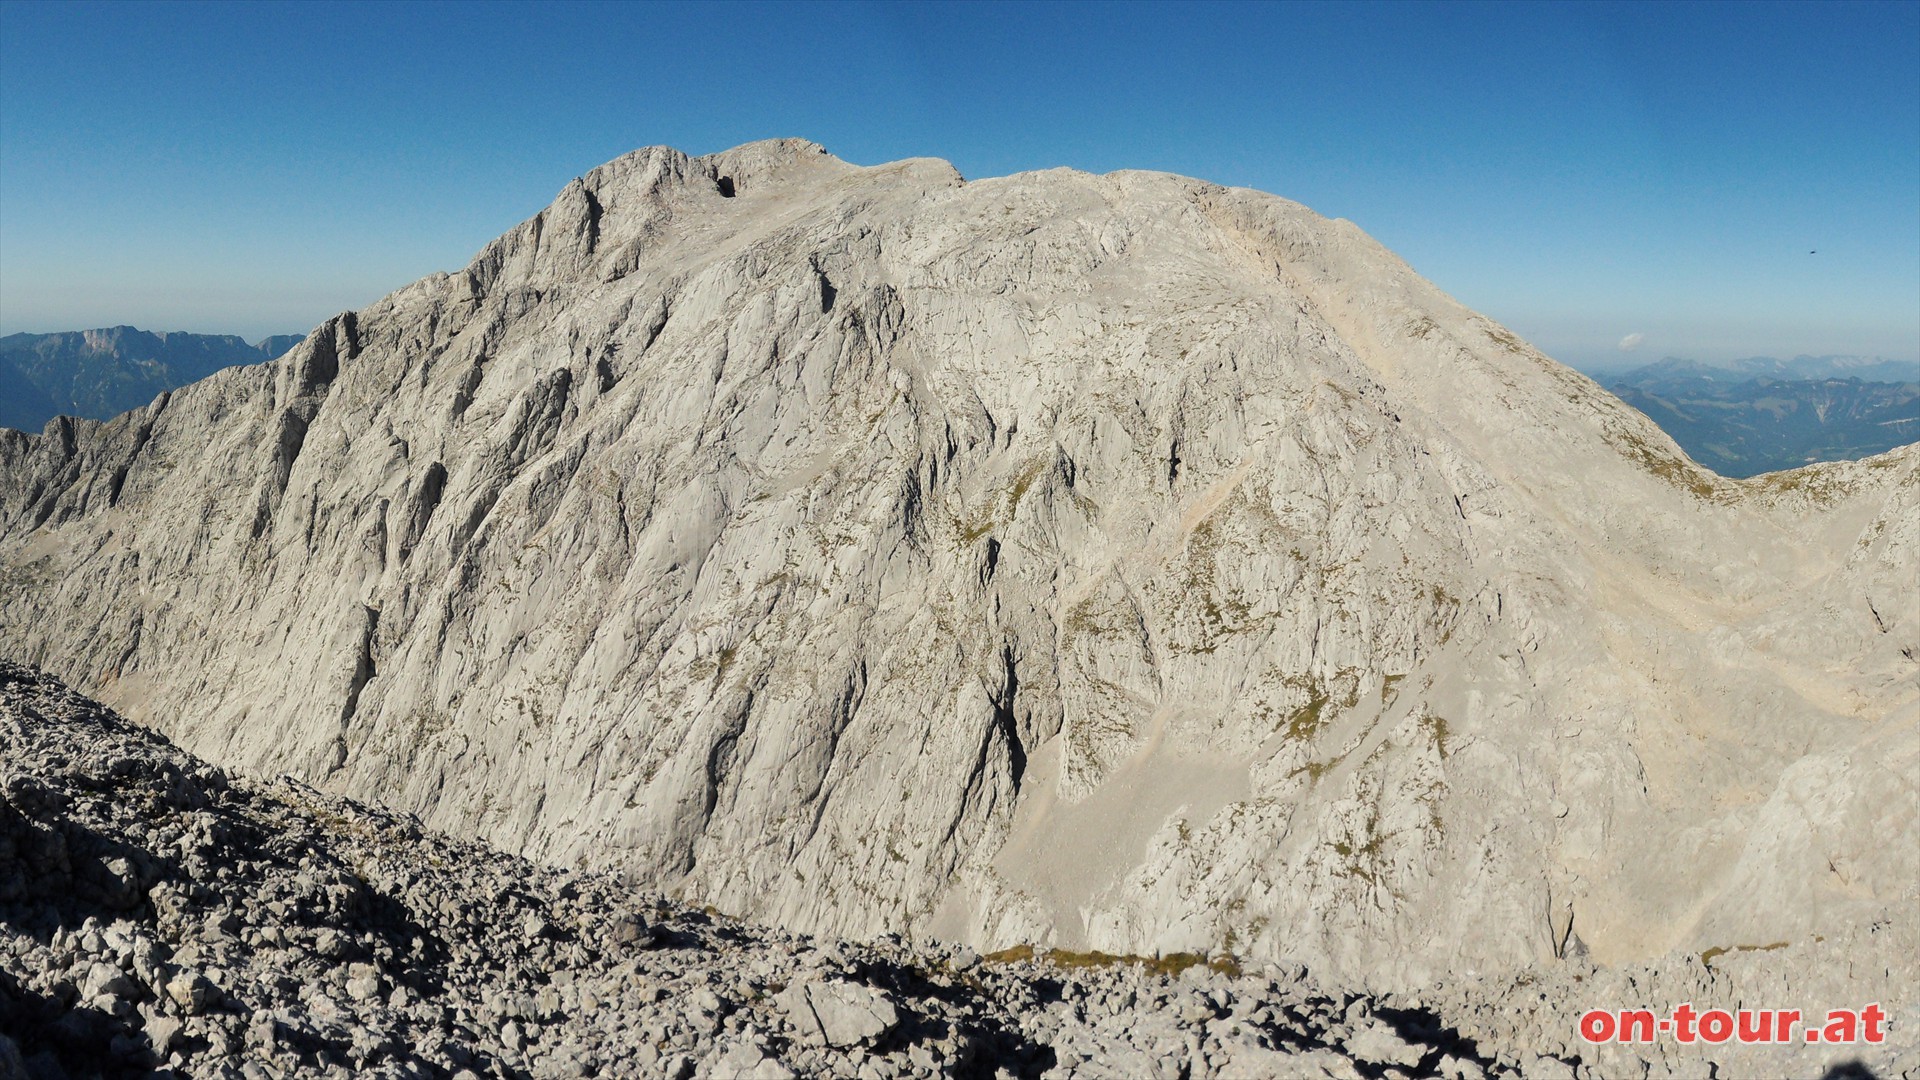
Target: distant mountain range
(102, 373)
(1800, 368)
(1746, 417)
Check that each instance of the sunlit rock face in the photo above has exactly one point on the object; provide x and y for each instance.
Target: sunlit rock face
(1116, 562)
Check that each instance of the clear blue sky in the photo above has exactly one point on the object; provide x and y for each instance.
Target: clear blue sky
(1579, 172)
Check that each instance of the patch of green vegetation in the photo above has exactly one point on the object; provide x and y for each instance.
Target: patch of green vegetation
(1387, 687)
(1369, 849)
(1819, 483)
(1231, 938)
(1437, 730)
(1504, 338)
(1362, 860)
(999, 511)
(1242, 520)
(1226, 614)
(1083, 618)
(1431, 797)
(1169, 965)
(1446, 609)
(1024, 482)
(1674, 470)
(1017, 954)
(530, 708)
(1352, 679)
(1315, 769)
(1304, 723)
(1255, 927)
(1718, 951)
(1202, 552)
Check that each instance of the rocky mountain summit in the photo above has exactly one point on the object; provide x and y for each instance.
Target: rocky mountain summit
(160, 917)
(1100, 563)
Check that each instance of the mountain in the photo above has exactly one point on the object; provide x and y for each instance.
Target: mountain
(100, 374)
(1800, 368)
(277, 345)
(1116, 563)
(1744, 426)
(22, 403)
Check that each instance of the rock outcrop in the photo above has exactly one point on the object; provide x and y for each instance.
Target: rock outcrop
(1103, 562)
(158, 917)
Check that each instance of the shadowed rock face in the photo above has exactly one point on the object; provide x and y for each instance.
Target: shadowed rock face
(1119, 562)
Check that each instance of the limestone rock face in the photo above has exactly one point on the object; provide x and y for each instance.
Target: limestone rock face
(1116, 562)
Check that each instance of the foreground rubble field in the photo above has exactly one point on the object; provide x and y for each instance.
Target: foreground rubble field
(159, 915)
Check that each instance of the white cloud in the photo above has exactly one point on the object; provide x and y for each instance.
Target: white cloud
(1632, 341)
